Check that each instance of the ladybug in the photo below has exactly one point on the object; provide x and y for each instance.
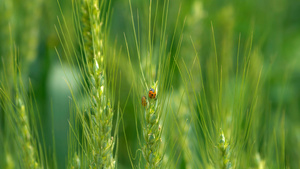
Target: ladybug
(152, 93)
(144, 101)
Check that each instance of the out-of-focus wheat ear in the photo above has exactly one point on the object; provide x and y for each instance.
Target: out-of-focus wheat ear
(185, 140)
(76, 162)
(6, 30)
(260, 164)
(225, 152)
(29, 150)
(30, 32)
(9, 161)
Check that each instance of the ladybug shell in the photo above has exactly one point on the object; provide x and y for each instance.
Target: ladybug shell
(144, 101)
(152, 93)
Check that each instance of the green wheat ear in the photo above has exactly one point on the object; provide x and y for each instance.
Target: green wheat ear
(94, 146)
(260, 164)
(22, 148)
(9, 161)
(76, 162)
(152, 133)
(225, 151)
(28, 149)
(30, 32)
(102, 142)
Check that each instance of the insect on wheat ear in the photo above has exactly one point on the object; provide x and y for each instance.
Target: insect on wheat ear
(152, 93)
(144, 101)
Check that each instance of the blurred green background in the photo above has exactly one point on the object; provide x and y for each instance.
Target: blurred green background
(276, 39)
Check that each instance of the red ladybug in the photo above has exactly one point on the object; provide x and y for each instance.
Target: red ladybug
(152, 93)
(144, 101)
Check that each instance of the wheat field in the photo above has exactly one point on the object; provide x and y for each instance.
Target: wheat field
(187, 84)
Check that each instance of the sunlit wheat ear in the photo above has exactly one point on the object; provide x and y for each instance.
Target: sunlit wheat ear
(225, 152)
(260, 164)
(152, 131)
(102, 142)
(9, 161)
(76, 162)
(29, 155)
